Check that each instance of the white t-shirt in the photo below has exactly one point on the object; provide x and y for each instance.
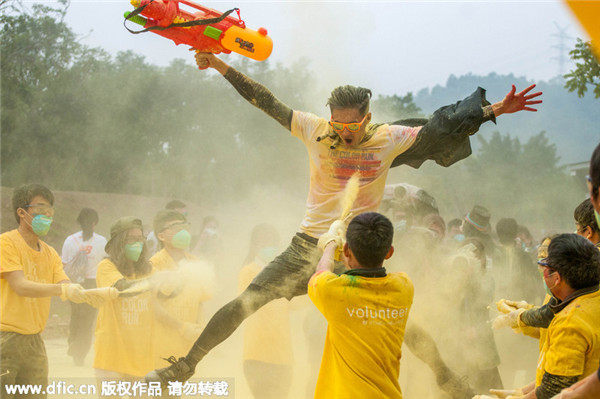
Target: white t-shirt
(331, 169)
(94, 247)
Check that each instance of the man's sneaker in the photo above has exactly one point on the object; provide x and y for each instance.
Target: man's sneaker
(179, 370)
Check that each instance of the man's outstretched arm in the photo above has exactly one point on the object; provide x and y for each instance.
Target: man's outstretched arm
(255, 93)
(444, 138)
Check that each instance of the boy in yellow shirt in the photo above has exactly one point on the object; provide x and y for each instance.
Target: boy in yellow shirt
(30, 273)
(366, 309)
(188, 283)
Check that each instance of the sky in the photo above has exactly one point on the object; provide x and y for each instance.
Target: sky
(392, 47)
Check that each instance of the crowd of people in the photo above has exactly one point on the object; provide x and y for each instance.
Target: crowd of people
(433, 295)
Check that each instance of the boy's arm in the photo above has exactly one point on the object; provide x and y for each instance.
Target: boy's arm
(326, 264)
(27, 288)
(255, 93)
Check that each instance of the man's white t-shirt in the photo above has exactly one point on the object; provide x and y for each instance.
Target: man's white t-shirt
(94, 248)
(330, 169)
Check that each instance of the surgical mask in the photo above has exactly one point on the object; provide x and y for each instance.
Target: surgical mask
(134, 251)
(597, 217)
(548, 289)
(181, 239)
(267, 254)
(400, 226)
(41, 224)
(459, 237)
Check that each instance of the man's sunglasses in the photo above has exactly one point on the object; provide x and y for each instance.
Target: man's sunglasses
(353, 127)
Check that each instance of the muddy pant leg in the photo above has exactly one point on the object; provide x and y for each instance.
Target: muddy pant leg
(227, 320)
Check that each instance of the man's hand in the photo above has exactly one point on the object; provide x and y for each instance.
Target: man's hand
(507, 306)
(515, 102)
(208, 60)
(336, 233)
(510, 319)
(72, 292)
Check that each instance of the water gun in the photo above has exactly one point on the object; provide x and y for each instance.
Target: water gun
(206, 30)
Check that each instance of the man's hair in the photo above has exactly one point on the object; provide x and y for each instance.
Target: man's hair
(584, 215)
(506, 228)
(576, 259)
(350, 97)
(23, 195)
(165, 216)
(175, 204)
(88, 217)
(595, 171)
(369, 237)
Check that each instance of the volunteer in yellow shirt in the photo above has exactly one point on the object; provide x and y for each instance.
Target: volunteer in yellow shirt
(185, 283)
(366, 310)
(570, 347)
(124, 329)
(30, 273)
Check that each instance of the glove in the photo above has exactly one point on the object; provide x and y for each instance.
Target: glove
(507, 393)
(72, 292)
(506, 305)
(97, 296)
(190, 331)
(336, 233)
(510, 319)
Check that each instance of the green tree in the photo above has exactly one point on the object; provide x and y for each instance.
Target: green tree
(587, 71)
(394, 107)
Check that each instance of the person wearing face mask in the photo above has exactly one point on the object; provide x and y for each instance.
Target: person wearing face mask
(569, 348)
(124, 344)
(267, 336)
(30, 273)
(589, 388)
(184, 284)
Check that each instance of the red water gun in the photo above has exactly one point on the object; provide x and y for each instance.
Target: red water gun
(206, 30)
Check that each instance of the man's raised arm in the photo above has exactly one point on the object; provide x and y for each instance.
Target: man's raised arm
(255, 93)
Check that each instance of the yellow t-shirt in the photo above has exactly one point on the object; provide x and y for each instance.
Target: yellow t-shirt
(331, 169)
(571, 345)
(367, 318)
(21, 314)
(267, 334)
(198, 286)
(124, 328)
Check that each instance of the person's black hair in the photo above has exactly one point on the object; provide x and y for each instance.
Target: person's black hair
(23, 195)
(576, 259)
(506, 229)
(369, 236)
(584, 215)
(88, 217)
(595, 172)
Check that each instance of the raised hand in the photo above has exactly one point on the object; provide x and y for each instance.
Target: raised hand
(515, 102)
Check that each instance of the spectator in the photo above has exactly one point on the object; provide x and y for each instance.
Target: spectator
(88, 246)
